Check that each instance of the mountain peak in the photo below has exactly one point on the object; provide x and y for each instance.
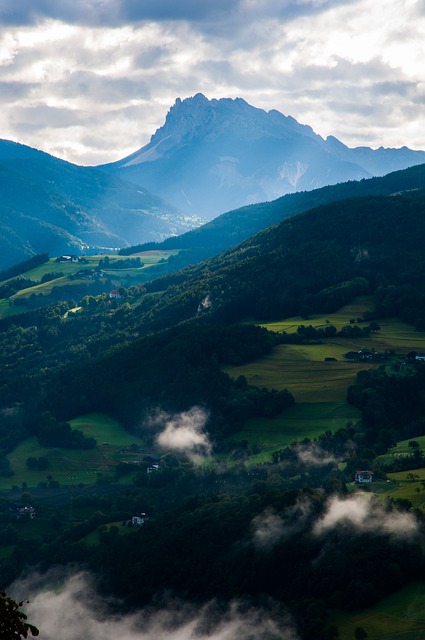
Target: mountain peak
(197, 115)
(214, 155)
(197, 118)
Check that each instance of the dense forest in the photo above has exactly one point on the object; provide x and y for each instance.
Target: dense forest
(304, 263)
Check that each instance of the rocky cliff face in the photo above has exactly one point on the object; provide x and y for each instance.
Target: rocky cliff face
(211, 156)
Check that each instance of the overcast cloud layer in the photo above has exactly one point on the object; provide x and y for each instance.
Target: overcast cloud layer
(90, 80)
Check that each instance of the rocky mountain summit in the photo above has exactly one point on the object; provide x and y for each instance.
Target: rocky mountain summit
(212, 156)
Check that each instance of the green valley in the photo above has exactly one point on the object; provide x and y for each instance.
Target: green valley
(234, 401)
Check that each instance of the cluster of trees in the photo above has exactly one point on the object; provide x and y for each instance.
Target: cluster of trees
(131, 263)
(10, 287)
(309, 332)
(52, 433)
(40, 463)
(333, 298)
(407, 300)
(47, 277)
(390, 403)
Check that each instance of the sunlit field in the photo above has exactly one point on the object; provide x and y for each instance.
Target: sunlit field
(151, 260)
(318, 386)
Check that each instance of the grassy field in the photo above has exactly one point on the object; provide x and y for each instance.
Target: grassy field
(7, 309)
(303, 370)
(402, 449)
(71, 466)
(149, 258)
(401, 616)
(92, 539)
(394, 333)
(300, 420)
(319, 387)
(119, 277)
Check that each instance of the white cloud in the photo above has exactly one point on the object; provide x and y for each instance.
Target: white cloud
(69, 608)
(312, 454)
(269, 528)
(361, 512)
(183, 432)
(365, 513)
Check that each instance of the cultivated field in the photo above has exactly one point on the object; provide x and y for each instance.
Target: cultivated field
(72, 466)
(318, 386)
(154, 264)
(401, 616)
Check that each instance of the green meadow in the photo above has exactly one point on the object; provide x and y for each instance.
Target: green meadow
(401, 616)
(395, 334)
(318, 386)
(92, 539)
(120, 277)
(7, 309)
(402, 449)
(306, 420)
(74, 466)
(149, 258)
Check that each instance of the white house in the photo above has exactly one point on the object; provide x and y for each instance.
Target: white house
(137, 521)
(26, 512)
(152, 468)
(363, 476)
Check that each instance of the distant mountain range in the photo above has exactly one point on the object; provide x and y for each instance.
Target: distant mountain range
(212, 156)
(48, 205)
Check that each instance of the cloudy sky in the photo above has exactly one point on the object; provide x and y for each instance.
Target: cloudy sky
(90, 80)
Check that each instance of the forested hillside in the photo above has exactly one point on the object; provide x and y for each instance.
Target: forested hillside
(281, 534)
(48, 205)
(313, 261)
(316, 261)
(233, 227)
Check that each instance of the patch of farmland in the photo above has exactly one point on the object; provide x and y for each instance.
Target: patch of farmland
(400, 616)
(73, 466)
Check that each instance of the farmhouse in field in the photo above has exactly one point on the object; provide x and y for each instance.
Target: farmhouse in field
(71, 258)
(363, 476)
(115, 294)
(152, 468)
(137, 521)
(23, 512)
